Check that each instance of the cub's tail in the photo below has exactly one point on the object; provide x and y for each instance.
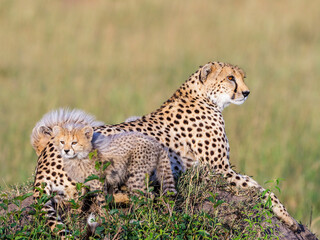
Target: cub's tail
(42, 132)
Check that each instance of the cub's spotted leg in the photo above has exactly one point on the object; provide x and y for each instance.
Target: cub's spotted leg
(136, 181)
(96, 185)
(137, 171)
(93, 203)
(164, 173)
(243, 181)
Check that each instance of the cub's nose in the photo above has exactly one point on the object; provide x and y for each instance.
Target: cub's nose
(66, 151)
(245, 93)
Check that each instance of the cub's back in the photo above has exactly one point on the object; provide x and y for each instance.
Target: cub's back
(126, 143)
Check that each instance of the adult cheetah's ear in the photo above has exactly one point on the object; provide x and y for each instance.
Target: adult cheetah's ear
(56, 130)
(45, 131)
(88, 132)
(205, 71)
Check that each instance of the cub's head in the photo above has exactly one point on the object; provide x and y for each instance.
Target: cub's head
(73, 142)
(223, 84)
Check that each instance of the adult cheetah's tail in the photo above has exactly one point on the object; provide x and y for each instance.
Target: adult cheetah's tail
(164, 173)
(42, 131)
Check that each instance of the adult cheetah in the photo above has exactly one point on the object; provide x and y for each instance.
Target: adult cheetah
(190, 125)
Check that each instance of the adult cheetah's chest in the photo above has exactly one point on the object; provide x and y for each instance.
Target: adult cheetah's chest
(197, 137)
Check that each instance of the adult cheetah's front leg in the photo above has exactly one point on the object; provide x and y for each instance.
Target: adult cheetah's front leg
(244, 181)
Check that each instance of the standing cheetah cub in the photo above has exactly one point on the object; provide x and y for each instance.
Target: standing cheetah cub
(131, 157)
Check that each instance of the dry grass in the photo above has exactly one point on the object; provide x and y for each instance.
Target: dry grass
(116, 59)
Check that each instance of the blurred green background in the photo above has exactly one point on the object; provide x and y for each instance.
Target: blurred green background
(115, 59)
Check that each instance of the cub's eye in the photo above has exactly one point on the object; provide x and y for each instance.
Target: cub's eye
(62, 142)
(74, 143)
(231, 78)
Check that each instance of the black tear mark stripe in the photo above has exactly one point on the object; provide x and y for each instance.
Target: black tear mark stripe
(236, 88)
(234, 80)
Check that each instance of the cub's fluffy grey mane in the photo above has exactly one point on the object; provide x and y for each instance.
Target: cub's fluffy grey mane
(62, 117)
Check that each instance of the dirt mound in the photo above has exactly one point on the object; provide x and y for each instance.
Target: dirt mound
(231, 212)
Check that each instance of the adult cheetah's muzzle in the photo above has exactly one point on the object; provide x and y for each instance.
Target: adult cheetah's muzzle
(245, 93)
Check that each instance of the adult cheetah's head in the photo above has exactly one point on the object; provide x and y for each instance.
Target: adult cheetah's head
(223, 84)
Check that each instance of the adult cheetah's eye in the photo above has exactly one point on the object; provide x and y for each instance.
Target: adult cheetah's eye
(231, 78)
(62, 142)
(74, 143)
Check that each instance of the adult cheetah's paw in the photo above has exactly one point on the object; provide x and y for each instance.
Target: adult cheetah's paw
(293, 225)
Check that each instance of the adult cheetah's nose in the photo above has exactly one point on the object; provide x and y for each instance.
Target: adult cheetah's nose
(245, 93)
(66, 151)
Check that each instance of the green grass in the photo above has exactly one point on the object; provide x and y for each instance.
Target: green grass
(115, 59)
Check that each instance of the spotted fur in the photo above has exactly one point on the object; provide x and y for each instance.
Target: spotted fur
(64, 161)
(191, 127)
(49, 172)
(131, 155)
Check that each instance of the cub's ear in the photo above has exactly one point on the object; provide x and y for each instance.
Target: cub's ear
(45, 131)
(205, 71)
(56, 130)
(88, 132)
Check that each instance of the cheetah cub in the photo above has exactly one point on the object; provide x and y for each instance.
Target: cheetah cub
(131, 156)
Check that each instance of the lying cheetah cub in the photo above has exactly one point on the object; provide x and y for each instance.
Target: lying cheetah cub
(132, 156)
